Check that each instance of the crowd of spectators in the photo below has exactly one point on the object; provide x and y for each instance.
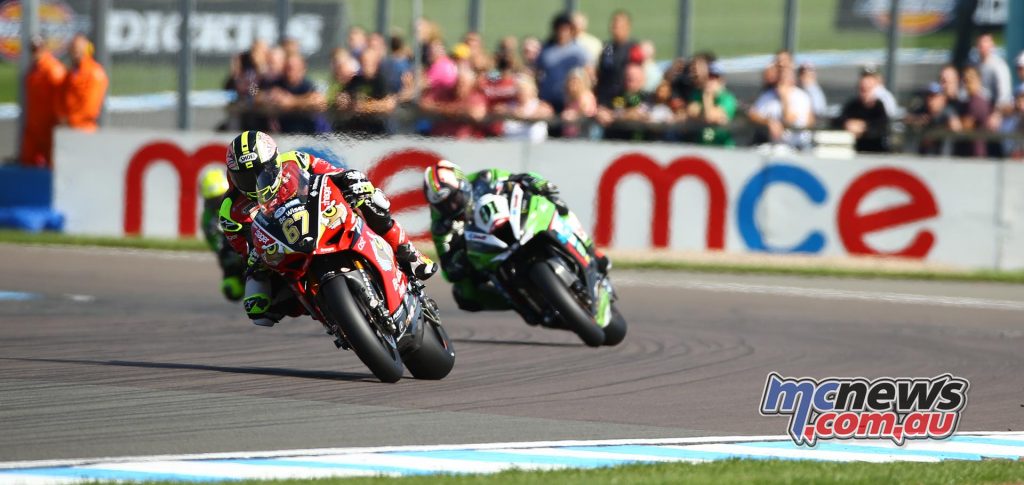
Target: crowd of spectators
(573, 85)
(975, 99)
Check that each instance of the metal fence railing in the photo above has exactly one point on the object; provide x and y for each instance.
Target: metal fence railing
(145, 48)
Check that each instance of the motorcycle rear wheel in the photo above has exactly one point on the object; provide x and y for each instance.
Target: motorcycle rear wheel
(572, 314)
(373, 349)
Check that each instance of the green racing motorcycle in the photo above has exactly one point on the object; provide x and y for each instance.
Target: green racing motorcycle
(542, 262)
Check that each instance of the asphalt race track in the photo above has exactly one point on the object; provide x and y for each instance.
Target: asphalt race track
(107, 352)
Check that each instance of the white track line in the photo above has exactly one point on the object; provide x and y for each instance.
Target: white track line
(314, 452)
(439, 465)
(982, 449)
(233, 471)
(827, 294)
(806, 454)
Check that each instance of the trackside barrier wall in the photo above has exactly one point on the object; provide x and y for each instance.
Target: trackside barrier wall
(959, 213)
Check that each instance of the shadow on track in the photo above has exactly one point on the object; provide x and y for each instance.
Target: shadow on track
(264, 371)
(525, 343)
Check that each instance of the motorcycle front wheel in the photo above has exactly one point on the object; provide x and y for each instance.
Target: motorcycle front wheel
(378, 352)
(570, 311)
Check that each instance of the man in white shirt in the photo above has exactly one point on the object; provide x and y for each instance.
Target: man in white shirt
(807, 78)
(785, 112)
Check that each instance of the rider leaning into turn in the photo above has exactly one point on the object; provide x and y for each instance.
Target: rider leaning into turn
(247, 156)
(449, 190)
(213, 184)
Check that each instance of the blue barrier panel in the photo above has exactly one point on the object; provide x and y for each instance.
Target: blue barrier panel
(26, 196)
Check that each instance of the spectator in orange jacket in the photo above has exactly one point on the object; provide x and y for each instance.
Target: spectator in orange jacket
(84, 88)
(42, 84)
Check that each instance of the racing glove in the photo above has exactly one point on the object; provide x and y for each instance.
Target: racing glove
(542, 187)
(414, 262)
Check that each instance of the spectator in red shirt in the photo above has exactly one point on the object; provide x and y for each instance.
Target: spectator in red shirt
(460, 109)
(499, 87)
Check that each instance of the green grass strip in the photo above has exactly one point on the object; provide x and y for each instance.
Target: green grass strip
(719, 472)
(56, 238)
(1012, 277)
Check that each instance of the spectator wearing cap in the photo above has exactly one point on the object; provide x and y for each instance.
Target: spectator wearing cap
(882, 93)
(784, 112)
(935, 114)
(589, 42)
(631, 106)
(807, 79)
(611, 66)
(42, 88)
(296, 100)
(558, 58)
(84, 88)
(710, 104)
(865, 118)
(995, 75)
(1013, 124)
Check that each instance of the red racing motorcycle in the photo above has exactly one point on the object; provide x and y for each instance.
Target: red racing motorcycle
(347, 278)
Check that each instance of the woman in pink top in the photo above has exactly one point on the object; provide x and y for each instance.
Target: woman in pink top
(442, 73)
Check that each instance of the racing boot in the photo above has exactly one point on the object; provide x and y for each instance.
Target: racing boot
(410, 259)
(257, 301)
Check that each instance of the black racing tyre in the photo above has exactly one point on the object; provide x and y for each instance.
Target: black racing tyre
(615, 331)
(374, 350)
(572, 314)
(435, 357)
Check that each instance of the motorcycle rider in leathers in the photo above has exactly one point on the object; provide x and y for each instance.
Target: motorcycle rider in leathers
(267, 298)
(448, 191)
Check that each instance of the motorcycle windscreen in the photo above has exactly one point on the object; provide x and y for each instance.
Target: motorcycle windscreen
(283, 192)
